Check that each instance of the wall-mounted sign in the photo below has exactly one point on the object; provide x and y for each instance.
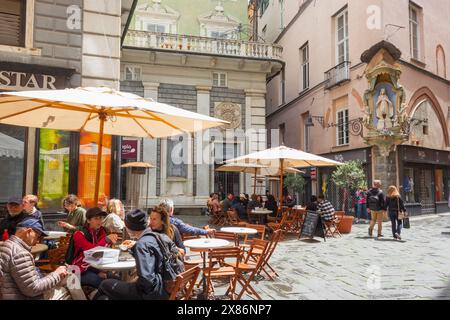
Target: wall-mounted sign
(12, 80)
(129, 149)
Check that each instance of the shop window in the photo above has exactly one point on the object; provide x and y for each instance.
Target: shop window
(12, 159)
(408, 185)
(53, 174)
(12, 22)
(225, 182)
(87, 167)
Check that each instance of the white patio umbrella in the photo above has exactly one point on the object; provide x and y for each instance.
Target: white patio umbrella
(100, 110)
(283, 157)
(255, 169)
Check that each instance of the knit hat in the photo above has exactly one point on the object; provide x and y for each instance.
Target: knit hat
(136, 220)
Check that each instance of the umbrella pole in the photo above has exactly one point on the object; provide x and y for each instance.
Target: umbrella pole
(281, 183)
(254, 185)
(102, 118)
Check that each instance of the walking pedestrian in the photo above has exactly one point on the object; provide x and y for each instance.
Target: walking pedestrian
(361, 205)
(376, 203)
(395, 206)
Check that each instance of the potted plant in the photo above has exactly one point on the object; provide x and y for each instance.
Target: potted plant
(348, 176)
(295, 183)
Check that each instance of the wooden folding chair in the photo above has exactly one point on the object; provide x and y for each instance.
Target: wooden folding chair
(248, 238)
(233, 238)
(332, 227)
(276, 236)
(274, 226)
(233, 217)
(252, 269)
(184, 284)
(56, 258)
(223, 270)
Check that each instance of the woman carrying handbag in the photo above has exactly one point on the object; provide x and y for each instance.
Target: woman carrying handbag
(396, 209)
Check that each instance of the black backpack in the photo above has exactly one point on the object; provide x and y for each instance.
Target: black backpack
(373, 202)
(171, 264)
(70, 253)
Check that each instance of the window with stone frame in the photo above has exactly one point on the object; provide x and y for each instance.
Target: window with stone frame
(176, 157)
(133, 73)
(12, 22)
(342, 38)
(414, 30)
(343, 137)
(219, 79)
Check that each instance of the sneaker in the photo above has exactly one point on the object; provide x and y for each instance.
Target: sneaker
(380, 236)
(370, 232)
(397, 236)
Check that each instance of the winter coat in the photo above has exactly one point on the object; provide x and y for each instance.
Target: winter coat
(149, 257)
(19, 278)
(9, 223)
(82, 244)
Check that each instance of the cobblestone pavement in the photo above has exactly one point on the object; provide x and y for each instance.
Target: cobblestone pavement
(357, 266)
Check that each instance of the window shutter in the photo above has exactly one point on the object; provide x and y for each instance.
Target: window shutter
(12, 23)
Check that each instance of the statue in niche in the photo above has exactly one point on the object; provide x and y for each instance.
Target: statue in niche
(384, 111)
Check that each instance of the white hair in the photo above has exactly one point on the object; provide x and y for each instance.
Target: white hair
(167, 204)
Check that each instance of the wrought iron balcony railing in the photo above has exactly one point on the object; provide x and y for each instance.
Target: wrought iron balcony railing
(337, 75)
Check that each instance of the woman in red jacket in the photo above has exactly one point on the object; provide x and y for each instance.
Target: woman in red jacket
(90, 236)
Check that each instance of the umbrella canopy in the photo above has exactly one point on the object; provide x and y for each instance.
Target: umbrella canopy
(137, 165)
(291, 158)
(282, 157)
(255, 169)
(100, 110)
(81, 109)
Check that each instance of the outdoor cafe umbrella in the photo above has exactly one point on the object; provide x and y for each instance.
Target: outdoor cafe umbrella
(282, 157)
(255, 169)
(100, 110)
(144, 165)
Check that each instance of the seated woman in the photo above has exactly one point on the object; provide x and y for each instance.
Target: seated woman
(272, 205)
(114, 220)
(76, 217)
(90, 236)
(160, 222)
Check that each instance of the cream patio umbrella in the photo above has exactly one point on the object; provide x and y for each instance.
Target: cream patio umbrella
(255, 169)
(282, 157)
(100, 110)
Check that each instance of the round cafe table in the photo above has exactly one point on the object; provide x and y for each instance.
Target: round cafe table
(239, 231)
(203, 245)
(261, 213)
(55, 235)
(121, 266)
(38, 249)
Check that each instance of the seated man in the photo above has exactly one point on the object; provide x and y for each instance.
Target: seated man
(240, 209)
(325, 208)
(19, 278)
(29, 203)
(15, 216)
(148, 255)
(181, 226)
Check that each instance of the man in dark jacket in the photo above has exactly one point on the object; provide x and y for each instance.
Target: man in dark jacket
(376, 203)
(14, 217)
(146, 251)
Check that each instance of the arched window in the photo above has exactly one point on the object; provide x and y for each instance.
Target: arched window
(441, 66)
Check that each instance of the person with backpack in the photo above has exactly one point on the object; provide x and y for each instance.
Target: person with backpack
(377, 205)
(156, 264)
(90, 236)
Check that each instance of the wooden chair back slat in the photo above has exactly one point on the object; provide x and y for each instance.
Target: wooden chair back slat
(184, 284)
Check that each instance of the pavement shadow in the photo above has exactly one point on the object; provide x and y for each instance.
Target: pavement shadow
(445, 293)
(310, 240)
(365, 237)
(389, 240)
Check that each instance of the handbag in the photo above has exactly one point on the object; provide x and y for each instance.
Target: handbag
(406, 224)
(401, 214)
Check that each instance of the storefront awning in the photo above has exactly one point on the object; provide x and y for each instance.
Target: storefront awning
(11, 147)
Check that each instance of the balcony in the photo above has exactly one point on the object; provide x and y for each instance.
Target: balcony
(337, 75)
(202, 45)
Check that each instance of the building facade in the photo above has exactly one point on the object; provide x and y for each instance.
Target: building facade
(319, 98)
(57, 45)
(196, 57)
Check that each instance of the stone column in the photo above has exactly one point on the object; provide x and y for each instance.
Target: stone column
(150, 147)
(255, 120)
(201, 147)
(101, 43)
